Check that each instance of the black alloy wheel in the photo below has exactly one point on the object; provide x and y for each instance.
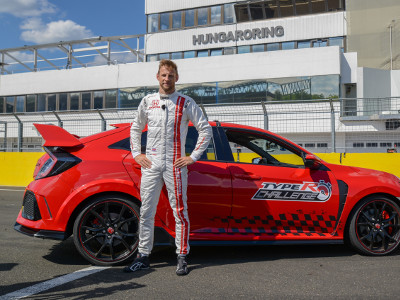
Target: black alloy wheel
(106, 232)
(375, 226)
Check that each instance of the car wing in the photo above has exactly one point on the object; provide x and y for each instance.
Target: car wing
(55, 136)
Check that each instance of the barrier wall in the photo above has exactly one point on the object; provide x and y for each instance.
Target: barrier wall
(16, 168)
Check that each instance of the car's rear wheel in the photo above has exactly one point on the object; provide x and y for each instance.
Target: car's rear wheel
(106, 232)
(375, 226)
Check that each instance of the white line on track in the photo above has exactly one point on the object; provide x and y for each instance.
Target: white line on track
(11, 190)
(49, 284)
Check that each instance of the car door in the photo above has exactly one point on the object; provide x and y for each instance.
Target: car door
(209, 190)
(274, 195)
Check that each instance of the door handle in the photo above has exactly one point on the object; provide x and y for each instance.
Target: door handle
(248, 176)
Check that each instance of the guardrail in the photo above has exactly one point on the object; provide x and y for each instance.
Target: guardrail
(323, 126)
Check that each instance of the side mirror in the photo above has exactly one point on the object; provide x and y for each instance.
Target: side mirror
(312, 162)
(256, 160)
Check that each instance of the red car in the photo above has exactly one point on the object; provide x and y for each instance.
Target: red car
(250, 187)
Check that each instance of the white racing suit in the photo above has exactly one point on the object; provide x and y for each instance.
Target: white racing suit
(167, 117)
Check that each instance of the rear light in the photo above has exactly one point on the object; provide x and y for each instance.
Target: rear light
(58, 162)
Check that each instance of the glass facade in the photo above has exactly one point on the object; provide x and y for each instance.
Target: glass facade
(240, 12)
(279, 89)
(333, 41)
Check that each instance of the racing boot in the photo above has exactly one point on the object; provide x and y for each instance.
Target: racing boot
(181, 268)
(141, 262)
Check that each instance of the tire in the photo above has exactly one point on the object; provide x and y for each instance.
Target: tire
(375, 226)
(106, 232)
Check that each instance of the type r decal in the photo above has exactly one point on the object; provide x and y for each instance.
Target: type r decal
(307, 191)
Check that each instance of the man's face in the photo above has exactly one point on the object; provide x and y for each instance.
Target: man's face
(167, 78)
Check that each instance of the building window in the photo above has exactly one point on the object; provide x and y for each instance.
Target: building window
(202, 16)
(111, 98)
(177, 19)
(334, 5)
(63, 101)
(229, 13)
(303, 44)
(319, 43)
(189, 54)
(151, 57)
(189, 18)
(202, 53)
(164, 21)
(336, 41)
(229, 50)
(287, 45)
(152, 23)
(164, 56)
(322, 145)
(258, 48)
(242, 13)
(257, 11)
(302, 7)
(309, 145)
(286, 8)
(176, 55)
(318, 6)
(20, 107)
(273, 47)
(41, 102)
(86, 100)
(243, 49)
(51, 102)
(30, 103)
(271, 9)
(2, 104)
(215, 15)
(373, 145)
(216, 52)
(74, 99)
(98, 98)
(358, 145)
(384, 145)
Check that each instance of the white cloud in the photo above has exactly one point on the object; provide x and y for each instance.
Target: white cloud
(34, 30)
(26, 8)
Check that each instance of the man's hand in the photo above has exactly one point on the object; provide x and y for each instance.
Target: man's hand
(143, 161)
(183, 161)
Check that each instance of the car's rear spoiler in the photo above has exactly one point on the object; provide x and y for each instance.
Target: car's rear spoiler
(55, 136)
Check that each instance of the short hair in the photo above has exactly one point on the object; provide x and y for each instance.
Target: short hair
(167, 63)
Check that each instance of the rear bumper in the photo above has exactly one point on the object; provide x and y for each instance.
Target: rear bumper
(44, 234)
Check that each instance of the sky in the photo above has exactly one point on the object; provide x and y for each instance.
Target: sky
(31, 22)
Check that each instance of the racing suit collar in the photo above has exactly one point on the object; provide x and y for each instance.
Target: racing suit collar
(167, 96)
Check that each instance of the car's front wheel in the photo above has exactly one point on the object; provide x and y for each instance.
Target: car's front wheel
(106, 230)
(375, 226)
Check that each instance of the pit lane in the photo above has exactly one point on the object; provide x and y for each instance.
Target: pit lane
(291, 272)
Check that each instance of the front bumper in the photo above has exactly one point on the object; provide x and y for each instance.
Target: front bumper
(44, 234)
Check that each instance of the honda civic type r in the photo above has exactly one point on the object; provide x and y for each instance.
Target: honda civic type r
(250, 186)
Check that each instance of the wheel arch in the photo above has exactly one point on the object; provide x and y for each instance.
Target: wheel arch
(80, 206)
(355, 207)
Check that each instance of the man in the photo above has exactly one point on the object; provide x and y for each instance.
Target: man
(167, 114)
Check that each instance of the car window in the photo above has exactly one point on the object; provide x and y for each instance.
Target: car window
(249, 147)
(191, 140)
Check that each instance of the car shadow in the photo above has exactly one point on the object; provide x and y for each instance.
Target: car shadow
(65, 253)
(209, 256)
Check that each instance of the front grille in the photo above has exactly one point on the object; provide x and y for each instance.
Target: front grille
(30, 207)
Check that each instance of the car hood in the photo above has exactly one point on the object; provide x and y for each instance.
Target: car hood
(343, 172)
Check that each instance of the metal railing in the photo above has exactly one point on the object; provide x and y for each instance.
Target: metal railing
(328, 125)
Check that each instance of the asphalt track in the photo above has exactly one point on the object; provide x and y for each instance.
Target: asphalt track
(46, 269)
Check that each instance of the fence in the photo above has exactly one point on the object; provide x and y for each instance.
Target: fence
(329, 125)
